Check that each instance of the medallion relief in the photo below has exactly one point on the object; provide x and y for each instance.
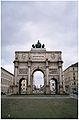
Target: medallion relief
(23, 56)
(53, 56)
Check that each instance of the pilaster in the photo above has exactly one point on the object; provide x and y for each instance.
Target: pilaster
(60, 77)
(47, 79)
(15, 71)
(29, 77)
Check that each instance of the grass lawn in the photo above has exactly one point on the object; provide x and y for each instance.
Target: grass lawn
(39, 108)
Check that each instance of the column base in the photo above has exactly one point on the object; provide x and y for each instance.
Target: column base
(13, 89)
(29, 89)
(47, 89)
(61, 89)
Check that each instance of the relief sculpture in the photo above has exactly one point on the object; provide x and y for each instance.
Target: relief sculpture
(53, 56)
(52, 71)
(22, 71)
(23, 56)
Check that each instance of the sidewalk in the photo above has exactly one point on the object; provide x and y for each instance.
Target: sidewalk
(74, 96)
(36, 97)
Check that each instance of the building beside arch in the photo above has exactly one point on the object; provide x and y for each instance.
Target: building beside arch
(71, 79)
(7, 79)
(38, 59)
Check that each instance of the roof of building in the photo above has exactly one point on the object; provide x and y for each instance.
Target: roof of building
(73, 65)
(7, 71)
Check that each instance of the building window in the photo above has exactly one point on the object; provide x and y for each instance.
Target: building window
(73, 68)
(23, 84)
(74, 83)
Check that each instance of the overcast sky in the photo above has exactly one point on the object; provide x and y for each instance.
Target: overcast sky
(53, 23)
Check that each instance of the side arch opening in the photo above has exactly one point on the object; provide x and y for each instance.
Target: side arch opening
(22, 86)
(53, 86)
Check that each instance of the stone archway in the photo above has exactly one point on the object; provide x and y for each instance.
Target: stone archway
(53, 86)
(23, 86)
(40, 88)
(49, 62)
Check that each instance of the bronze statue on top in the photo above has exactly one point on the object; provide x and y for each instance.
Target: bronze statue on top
(38, 45)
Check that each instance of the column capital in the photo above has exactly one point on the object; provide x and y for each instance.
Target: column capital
(29, 63)
(16, 63)
(16, 66)
(60, 64)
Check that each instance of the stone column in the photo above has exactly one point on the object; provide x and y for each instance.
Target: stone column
(29, 78)
(47, 79)
(28, 75)
(60, 78)
(15, 85)
(33, 83)
(15, 73)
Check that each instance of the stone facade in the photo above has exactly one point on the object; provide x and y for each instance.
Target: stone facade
(38, 59)
(71, 79)
(6, 80)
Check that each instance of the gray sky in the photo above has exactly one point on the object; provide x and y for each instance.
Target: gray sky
(53, 23)
(38, 79)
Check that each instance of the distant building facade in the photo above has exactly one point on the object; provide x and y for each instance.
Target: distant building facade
(6, 80)
(70, 76)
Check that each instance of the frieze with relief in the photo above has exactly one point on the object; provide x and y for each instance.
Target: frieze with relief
(53, 56)
(23, 71)
(23, 56)
(53, 71)
(35, 65)
(53, 64)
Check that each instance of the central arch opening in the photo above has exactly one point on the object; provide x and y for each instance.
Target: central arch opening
(38, 82)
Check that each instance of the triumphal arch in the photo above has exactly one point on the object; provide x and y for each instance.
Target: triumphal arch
(38, 59)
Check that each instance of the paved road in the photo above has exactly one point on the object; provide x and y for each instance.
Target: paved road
(25, 97)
